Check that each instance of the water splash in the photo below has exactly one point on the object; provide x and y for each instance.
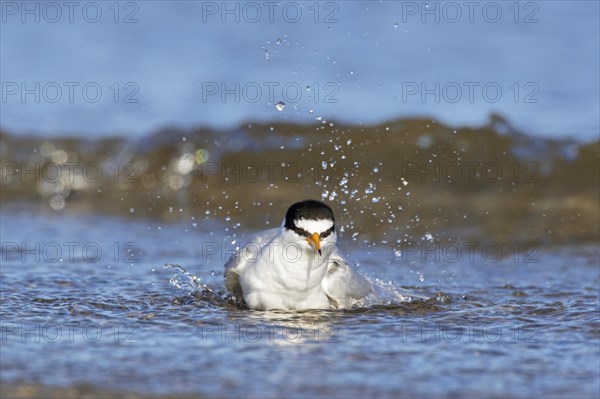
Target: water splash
(387, 293)
(182, 279)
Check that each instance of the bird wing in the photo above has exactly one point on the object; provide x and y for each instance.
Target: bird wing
(343, 285)
(238, 262)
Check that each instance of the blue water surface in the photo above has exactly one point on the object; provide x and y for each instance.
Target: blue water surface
(131, 67)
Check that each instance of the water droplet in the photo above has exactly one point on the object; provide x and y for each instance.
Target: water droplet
(57, 202)
(280, 106)
(424, 141)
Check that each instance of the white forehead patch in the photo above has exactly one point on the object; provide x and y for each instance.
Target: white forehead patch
(314, 226)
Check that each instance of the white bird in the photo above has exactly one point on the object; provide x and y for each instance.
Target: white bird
(296, 266)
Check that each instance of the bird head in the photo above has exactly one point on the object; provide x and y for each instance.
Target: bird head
(312, 221)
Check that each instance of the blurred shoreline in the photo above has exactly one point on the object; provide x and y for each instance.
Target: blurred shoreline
(393, 181)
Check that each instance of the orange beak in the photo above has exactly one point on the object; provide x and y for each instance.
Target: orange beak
(315, 242)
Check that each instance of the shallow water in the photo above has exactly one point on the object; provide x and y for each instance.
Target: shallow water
(517, 327)
(475, 217)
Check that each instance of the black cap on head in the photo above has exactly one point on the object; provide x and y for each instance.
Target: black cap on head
(309, 209)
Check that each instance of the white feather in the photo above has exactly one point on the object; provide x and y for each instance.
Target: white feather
(314, 226)
(274, 277)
